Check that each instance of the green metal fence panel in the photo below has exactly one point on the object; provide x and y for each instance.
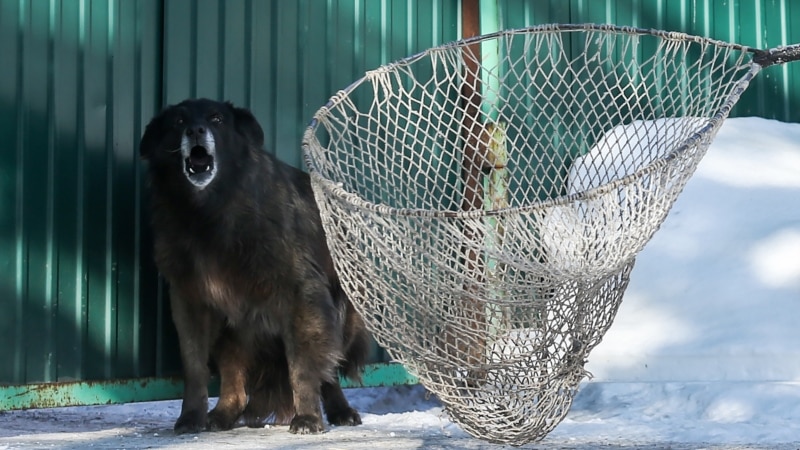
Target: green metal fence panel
(284, 59)
(759, 23)
(80, 77)
(756, 23)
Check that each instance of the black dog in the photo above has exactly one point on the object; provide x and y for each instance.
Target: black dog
(252, 284)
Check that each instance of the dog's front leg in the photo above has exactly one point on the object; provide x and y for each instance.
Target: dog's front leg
(312, 351)
(231, 359)
(196, 331)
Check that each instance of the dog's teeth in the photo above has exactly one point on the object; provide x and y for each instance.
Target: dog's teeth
(191, 169)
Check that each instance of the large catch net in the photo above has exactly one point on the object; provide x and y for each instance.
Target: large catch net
(484, 201)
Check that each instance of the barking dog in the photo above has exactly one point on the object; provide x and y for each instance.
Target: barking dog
(252, 285)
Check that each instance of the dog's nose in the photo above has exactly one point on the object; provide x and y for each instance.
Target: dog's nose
(192, 130)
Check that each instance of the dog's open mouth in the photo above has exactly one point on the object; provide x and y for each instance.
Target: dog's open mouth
(199, 161)
(199, 166)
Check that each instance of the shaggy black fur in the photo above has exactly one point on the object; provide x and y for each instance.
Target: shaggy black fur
(252, 284)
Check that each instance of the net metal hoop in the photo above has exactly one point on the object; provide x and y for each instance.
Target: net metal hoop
(492, 277)
(357, 201)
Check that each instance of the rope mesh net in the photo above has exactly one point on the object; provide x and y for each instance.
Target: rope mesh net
(484, 201)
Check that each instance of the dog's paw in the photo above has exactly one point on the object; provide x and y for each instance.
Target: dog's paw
(219, 420)
(190, 422)
(306, 424)
(345, 417)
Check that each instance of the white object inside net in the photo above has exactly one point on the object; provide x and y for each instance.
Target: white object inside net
(484, 210)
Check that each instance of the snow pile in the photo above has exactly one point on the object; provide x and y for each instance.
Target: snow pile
(715, 295)
(592, 235)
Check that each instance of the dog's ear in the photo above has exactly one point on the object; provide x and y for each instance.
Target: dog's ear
(150, 138)
(247, 126)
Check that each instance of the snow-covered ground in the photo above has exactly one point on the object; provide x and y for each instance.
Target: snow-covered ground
(704, 353)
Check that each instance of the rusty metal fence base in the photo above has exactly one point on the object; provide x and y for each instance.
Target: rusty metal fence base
(81, 393)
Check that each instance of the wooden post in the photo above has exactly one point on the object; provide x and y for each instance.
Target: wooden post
(472, 164)
(467, 335)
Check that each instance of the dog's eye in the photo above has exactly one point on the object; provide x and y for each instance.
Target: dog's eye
(179, 122)
(216, 118)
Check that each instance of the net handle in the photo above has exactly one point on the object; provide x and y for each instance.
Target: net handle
(778, 55)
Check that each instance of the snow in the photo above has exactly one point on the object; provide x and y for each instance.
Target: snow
(704, 351)
(585, 238)
(618, 153)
